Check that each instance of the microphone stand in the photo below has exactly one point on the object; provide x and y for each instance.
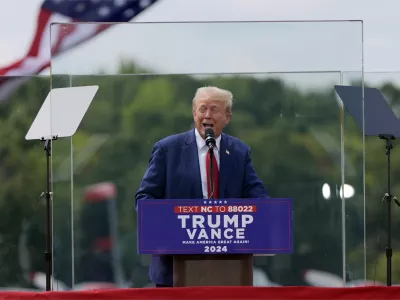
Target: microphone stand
(48, 252)
(389, 198)
(211, 150)
(210, 142)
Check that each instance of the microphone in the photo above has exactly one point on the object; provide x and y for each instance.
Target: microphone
(210, 138)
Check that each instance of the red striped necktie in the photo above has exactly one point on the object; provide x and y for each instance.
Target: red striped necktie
(215, 176)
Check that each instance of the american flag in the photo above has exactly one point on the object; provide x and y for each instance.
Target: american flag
(43, 48)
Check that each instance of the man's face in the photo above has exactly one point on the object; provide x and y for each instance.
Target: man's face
(212, 113)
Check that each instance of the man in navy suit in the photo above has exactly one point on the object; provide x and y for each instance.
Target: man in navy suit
(179, 166)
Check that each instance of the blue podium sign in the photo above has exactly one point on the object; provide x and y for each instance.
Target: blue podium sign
(218, 226)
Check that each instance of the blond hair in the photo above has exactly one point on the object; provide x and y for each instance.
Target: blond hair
(216, 94)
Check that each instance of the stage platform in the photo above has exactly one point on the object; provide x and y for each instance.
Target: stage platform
(276, 293)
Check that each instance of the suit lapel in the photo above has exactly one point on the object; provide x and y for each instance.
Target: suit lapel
(191, 157)
(225, 163)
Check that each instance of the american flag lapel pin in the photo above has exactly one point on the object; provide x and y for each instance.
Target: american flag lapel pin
(227, 151)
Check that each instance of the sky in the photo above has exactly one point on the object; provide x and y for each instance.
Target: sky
(370, 41)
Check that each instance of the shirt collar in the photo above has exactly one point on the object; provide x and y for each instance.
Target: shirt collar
(201, 142)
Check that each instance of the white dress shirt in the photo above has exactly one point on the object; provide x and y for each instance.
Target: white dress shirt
(202, 150)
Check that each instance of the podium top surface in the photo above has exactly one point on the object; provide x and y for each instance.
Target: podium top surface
(61, 112)
(379, 118)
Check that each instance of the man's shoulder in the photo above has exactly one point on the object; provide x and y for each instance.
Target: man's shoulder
(174, 139)
(235, 142)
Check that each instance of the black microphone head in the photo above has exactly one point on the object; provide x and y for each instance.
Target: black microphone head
(210, 137)
(209, 132)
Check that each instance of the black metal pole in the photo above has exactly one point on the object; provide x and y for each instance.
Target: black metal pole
(389, 250)
(389, 198)
(48, 254)
(211, 196)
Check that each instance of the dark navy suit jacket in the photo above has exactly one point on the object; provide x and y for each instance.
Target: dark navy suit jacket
(174, 173)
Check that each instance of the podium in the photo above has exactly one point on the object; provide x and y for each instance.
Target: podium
(213, 270)
(213, 242)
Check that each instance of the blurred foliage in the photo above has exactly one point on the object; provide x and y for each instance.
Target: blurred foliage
(295, 138)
